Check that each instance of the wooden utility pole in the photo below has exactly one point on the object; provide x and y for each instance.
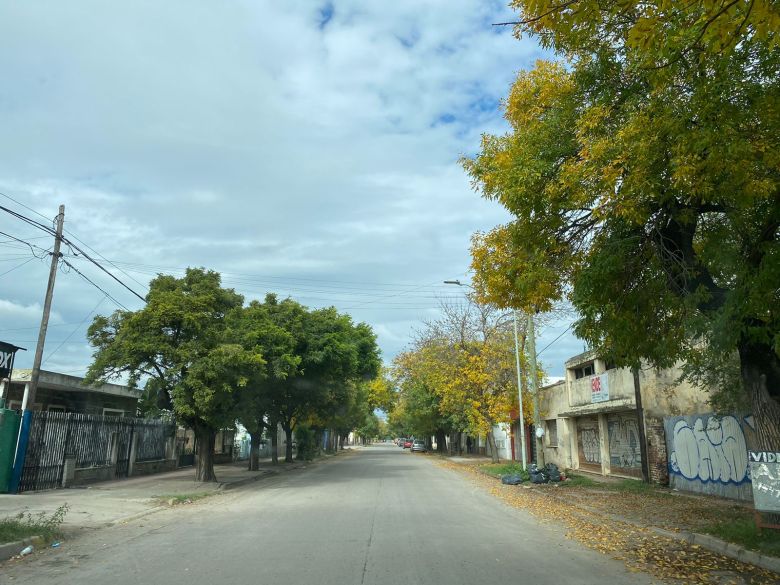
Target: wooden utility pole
(535, 390)
(55, 260)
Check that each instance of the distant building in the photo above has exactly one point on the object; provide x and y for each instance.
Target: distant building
(64, 393)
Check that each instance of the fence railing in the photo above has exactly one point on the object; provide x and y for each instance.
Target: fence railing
(92, 441)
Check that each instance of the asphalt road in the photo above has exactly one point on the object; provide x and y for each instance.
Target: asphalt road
(377, 516)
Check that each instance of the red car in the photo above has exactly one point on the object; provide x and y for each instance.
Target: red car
(408, 444)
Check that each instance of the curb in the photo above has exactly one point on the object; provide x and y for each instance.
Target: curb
(136, 516)
(12, 549)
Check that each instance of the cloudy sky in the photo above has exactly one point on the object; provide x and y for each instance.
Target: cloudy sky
(305, 148)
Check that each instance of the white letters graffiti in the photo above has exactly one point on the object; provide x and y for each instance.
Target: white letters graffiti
(590, 445)
(713, 450)
(5, 359)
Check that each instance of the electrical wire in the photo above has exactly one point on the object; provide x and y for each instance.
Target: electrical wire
(17, 266)
(554, 340)
(64, 341)
(82, 275)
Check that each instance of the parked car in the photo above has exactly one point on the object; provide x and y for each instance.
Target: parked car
(408, 444)
(418, 447)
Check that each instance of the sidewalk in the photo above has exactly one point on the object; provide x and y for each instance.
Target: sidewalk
(112, 502)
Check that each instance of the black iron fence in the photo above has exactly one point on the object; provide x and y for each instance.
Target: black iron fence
(92, 440)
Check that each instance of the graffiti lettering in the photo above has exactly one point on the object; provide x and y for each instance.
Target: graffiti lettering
(590, 445)
(713, 450)
(624, 443)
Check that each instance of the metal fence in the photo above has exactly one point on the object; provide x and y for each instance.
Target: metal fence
(93, 441)
(152, 435)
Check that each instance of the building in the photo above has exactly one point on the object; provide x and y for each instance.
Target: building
(64, 393)
(590, 419)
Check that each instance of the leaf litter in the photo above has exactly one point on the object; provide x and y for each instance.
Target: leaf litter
(642, 550)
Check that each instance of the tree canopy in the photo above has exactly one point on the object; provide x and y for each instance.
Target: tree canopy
(642, 173)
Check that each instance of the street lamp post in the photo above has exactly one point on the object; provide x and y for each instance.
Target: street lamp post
(519, 383)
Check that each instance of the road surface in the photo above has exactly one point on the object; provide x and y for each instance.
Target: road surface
(377, 516)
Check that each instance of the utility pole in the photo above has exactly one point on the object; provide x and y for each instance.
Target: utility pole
(55, 260)
(535, 391)
(640, 417)
(519, 392)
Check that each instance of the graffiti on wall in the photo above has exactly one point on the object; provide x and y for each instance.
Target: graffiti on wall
(624, 450)
(709, 448)
(590, 445)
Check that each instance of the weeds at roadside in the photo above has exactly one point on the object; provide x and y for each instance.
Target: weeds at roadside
(25, 524)
(179, 499)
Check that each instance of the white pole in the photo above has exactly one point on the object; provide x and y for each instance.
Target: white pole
(519, 392)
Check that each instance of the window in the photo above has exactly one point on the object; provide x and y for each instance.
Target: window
(551, 432)
(55, 408)
(14, 405)
(584, 371)
(113, 412)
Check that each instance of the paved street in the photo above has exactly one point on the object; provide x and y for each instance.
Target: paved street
(377, 516)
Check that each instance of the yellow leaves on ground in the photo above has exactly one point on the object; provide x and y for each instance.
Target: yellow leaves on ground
(628, 539)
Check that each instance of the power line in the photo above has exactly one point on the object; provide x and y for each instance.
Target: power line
(554, 340)
(23, 205)
(82, 275)
(31, 246)
(107, 260)
(69, 243)
(17, 266)
(99, 265)
(64, 341)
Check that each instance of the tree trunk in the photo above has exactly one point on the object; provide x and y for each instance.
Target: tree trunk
(491, 441)
(288, 458)
(758, 374)
(274, 428)
(205, 469)
(254, 451)
(341, 442)
(441, 441)
(460, 443)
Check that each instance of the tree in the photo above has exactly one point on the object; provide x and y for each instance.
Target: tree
(643, 179)
(254, 328)
(333, 353)
(461, 373)
(177, 342)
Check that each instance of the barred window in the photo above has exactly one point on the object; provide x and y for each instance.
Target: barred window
(551, 431)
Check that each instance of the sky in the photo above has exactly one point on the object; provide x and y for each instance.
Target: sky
(304, 148)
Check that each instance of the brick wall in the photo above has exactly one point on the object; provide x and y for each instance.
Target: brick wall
(657, 457)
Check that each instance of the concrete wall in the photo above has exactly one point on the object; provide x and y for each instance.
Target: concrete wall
(620, 383)
(150, 467)
(93, 474)
(708, 454)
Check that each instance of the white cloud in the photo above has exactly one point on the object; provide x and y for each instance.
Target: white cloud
(318, 161)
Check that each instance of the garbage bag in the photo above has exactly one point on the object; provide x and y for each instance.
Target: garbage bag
(514, 479)
(552, 472)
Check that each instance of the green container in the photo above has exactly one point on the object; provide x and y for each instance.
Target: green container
(9, 429)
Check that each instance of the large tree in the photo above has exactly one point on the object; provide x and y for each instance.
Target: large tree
(333, 353)
(643, 176)
(177, 343)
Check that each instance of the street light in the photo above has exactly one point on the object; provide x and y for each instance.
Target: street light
(519, 383)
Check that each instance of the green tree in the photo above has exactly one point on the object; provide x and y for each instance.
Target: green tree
(333, 353)
(643, 179)
(178, 342)
(254, 328)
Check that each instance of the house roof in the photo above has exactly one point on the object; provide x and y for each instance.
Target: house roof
(581, 358)
(56, 381)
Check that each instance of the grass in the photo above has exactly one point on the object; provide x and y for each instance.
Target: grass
(574, 480)
(25, 525)
(178, 499)
(743, 531)
(500, 469)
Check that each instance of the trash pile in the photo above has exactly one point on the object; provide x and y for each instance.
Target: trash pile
(547, 474)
